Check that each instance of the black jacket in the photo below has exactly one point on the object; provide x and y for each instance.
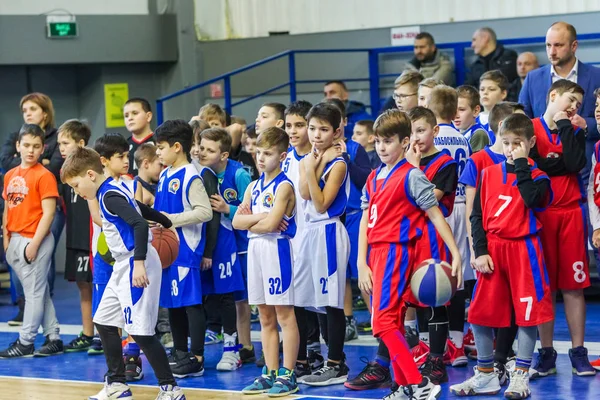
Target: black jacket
(10, 158)
(503, 59)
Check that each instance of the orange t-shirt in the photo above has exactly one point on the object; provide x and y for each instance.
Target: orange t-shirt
(24, 190)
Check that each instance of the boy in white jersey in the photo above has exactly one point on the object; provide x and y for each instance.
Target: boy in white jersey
(268, 214)
(466, 118)
(325, 247)
(130, 300)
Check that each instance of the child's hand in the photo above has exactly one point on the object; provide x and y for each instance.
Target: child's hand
(31, 251)
(560, 115)
(457, 271)
(413, 154)
(520, 152)
(596, 238)
(218, 204)
(206, 263)
(140, 279)
(243, 209)
(579, 121)
(312, 160)
(365, 278)
(283, 225)
(484, 264)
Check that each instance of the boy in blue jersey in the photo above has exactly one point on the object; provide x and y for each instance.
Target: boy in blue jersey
(130, 300)
(268, 214)
(181, 196)
(325, 247)
(466, 119)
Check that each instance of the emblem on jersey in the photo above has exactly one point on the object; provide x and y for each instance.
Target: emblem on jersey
(16, 191)
(268, 200)
(552, 155)
(230, 195)
(174, 186)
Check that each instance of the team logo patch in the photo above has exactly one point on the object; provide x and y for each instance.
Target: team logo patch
(16, 191)
(230, 195)
(268, 200)
(174, 186)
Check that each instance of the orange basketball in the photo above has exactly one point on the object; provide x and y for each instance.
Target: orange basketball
(166, 244)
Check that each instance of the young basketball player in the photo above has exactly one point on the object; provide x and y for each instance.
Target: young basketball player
(138, 116)
(493, 88)
(180, 194)
(406, 89)
(130, 300)
(268, 214)
(509, 259)
(269, 115)
(560, 152)
(397, 198)
(71, 135)
(30, 193)
(425, 88)
(466, 119)
(363, 135)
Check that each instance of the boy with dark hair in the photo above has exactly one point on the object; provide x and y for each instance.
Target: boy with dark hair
(182, 197)
(130, 300)
(466, 119)
(138, 116)
(30, 193)
(509, 259)
(250, 142)
(269, 115)
(363, 135)
(78, 268)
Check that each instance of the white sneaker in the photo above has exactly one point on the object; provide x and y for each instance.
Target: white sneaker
(426, 390)
(168, 392)
(230, 361)
(519, 385)
(480, 383)
(114, 391)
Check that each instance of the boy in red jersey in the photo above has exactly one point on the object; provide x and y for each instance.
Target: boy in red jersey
(560, 152)
(509, 260)
(396, 200)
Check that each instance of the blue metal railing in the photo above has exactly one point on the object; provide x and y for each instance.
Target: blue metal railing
(374, 78)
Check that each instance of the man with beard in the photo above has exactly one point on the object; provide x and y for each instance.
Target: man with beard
(430, 62)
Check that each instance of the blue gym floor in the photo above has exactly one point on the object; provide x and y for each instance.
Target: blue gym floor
(81, 367)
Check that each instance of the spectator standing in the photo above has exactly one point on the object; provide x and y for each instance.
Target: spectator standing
(526, 62)
(430, 62)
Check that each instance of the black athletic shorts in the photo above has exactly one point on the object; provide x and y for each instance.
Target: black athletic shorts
(78, 266)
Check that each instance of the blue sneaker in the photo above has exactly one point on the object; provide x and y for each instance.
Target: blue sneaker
(546, 363)
(262, 384)
(579, 361)
(168, 392)
(211, 337)
(285, 384)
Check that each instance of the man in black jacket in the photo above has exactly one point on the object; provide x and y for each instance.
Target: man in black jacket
(491, 55)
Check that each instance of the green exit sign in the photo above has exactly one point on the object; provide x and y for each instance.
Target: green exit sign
(62, 29)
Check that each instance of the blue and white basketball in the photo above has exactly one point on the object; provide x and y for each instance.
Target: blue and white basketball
(432, 283)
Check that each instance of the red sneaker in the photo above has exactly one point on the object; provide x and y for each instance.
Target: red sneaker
(420, 353)
(596, 364)
(455, 356)
(469, 341)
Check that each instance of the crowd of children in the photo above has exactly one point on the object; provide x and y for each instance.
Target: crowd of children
(290, 214)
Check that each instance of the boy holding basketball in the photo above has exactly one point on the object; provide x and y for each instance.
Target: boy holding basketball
(397, 198)
(181, 196)
(130, 300)
(509, 260)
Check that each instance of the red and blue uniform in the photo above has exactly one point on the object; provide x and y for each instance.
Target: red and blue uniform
(475, 165)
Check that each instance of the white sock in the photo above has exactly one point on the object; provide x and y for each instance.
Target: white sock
(229, 340)
(457, 338)
(424, 337)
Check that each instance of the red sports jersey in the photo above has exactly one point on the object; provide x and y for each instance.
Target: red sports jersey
(442, 160)
(394, 217)
(567, 188)
(596, 173)
(503, 209)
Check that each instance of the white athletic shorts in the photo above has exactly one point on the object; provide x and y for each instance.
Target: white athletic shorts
(270, 271)
(133, 309)
(458, 224)
(320, 270)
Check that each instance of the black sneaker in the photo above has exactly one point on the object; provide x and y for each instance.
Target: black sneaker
(330, 374)
(359, 304)
(16, 350)
(18, 319)
(133, 368)
(411, 336)
(435, 369)
(373, 376)
(364, 327)
(315, 359)
(302, 370)
(80, 343)
(247, 355)
(500, 370)
(186, 364)
(50, 348)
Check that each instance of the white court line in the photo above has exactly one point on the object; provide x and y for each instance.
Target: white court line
(561, 346)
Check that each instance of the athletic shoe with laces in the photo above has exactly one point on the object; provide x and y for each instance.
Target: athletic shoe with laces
(284, 385)
(262, 384)
(545, 365)
(351, 331)
(596, 364)
(315, 359)
(96, 347)
(302, 370)
(113, 391)
(80, 343)
(420, 353)
(454, 356)
(211, 337)
(580, 362)
(247, 355)
(364, 327)
(230, 361)
(186, 364)
(329, 374)
(133, 368)
(411, 336)
(426, 390)
(502, 372)
(373, 376)
(50, 348)
(469, 340)
(170, 392)
(479, 384)
(359, 304)
(435, 369)
(518, 388)
(17, 350)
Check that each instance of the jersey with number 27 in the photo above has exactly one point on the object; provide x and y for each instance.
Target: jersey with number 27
(449, 139)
